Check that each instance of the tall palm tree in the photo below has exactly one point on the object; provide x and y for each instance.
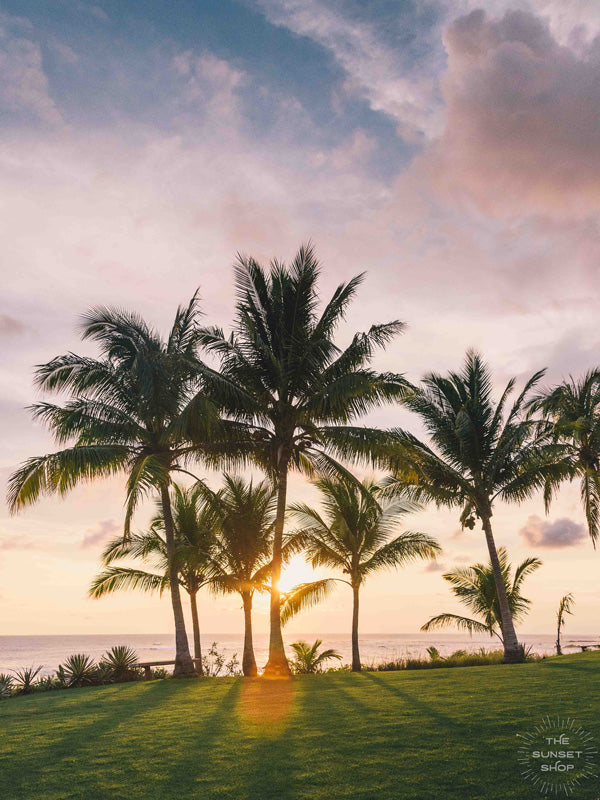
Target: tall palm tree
(136, 410)
(481, 452)
(291, 391)
(564, 607)
(353, 536)
(475, 587)
(573, 410)
(243, 518)
(194, 552)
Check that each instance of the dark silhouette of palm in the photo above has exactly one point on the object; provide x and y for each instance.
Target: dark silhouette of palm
(480, 452)
(475, 587)
(136, 410)
(354, 536)
(195, 545)
(572, 410)
(291, 391)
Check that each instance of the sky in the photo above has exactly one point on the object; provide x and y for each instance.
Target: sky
(449, 149)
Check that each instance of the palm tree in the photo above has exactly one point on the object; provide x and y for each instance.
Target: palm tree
(194, 550)
(475, 587)
(573, 411)
(480, 453)
(354, 537)
(564, 607)
(291, 391)
(308, 659)
(133, 410)
(243, 517)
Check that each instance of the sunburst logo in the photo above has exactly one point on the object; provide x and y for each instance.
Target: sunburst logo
(557, 756)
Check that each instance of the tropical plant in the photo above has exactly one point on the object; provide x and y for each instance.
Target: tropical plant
(133, 410)
(24, 681)
(194, 544)
(573, 411)
(79, 670)
(308, 659)
(354, 536)
(481, 452)
(215, 663)
(120, 662)
(243, 517)
(475, 587)
(290, 390)
(6, 685)
(564, 607)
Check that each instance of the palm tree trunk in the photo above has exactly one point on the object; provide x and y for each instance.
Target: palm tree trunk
(513, 652)
(196, 626)
(183, 660)
(355, 651)
(248, 661)
(277, 666)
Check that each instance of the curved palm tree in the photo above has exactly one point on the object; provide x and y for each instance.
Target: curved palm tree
(573, 410)
(194, 550)
(243, 517)
(353, 536)
(475, 587)
(564, 607)
(481, 452)
(135, 410)
(292, 392)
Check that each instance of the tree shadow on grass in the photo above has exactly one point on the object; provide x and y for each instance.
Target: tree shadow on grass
(208, 754)
(50, 756)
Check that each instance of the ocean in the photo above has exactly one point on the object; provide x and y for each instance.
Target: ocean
(49, 651)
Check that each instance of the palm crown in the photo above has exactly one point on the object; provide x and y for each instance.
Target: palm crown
(135, 409)
(195, 546)
(480, 451)
(289, 391)
(354, 536)
(573, 410)
(475, 587)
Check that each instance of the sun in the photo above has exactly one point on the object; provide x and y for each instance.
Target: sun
(294, 572)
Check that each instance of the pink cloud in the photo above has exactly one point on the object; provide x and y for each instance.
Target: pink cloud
(101, 534)
(522, 133)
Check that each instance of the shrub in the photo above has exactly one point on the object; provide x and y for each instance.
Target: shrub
(24, 680)
(460, 658)
(309, 659)
(119, 663)
(160, 673)
(6, 685)
(214, 663)
(78, 670)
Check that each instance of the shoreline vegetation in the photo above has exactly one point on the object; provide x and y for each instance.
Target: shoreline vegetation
(122, 665)
(276, 393)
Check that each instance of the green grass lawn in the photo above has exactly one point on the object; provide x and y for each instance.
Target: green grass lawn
(448, 733)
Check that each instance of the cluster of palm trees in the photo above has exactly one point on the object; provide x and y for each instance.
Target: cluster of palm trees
(282, 396)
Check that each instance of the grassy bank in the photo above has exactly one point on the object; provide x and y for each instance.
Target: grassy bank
(376, 736)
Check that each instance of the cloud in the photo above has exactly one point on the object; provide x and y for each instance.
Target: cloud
(211, 84)
(101, 534)
(24, 86)
(561, 533)
(522, 132)
(10, 326)
(434, 566)
(395, 79)
(17, 543)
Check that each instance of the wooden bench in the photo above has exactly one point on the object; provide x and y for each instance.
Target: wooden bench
(585, 647)
(147, 666)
